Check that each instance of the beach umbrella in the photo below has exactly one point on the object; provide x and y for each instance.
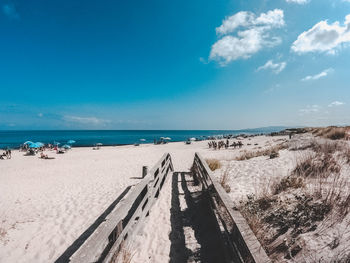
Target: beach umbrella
(192, 139)
(167, 138)
(34, 145)
(142, 140)
(99, 144)
(40, 144)
(28, 142)
(71, 142)
(66, 146)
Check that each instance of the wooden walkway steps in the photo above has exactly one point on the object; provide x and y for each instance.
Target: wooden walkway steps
(221, 232)
(191, 213)
(240, 238)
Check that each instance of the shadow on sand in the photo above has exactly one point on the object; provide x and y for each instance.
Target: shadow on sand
(200, 217)
(77, 243)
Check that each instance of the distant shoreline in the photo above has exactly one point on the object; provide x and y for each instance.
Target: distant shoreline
(88, 138)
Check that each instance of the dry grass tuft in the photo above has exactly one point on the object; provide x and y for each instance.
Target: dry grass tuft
(314, 197)
(333, 192)
(337, 134)
(272, 152)
(327, 147)
(277, 225)
(314, 165)
(286, 183)
(332, 132)
(224, 180)
(213, 164)
(346, 154)
(277, 222)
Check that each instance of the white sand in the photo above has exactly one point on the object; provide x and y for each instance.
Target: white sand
(45, 205)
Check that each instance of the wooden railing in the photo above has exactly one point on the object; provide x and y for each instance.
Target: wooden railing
(239, 236)
(126, 219)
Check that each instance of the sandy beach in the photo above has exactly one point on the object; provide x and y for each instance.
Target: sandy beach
(46, 204)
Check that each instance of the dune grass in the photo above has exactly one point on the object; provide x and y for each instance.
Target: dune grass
(332, 132)
(224, 180)
(272, 152)
(213, 164)
(314, 194)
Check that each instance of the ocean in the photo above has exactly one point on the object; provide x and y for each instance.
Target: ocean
(14, 139)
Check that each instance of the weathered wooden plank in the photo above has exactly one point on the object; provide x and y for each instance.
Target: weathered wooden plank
(107, 237)
(246, 241)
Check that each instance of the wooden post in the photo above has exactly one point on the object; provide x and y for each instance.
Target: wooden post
(144, 171)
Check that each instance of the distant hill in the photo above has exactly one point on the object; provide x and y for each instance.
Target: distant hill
(268, 129)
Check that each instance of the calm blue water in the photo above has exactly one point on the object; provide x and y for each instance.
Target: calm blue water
(112, 137)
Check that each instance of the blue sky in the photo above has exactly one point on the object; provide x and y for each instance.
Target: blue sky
(174, 64)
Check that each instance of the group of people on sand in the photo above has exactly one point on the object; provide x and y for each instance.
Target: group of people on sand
(222, 144)
(25, 147)
(6, 154)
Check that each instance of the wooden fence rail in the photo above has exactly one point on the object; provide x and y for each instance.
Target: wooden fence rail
(126, 219)
(239, 235)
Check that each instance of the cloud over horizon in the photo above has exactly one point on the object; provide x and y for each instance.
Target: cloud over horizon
(300, 2)
(253, 34)
(275, 67)
(323, 37)
(335, 104)
(310, 109)
(86, 120)
(319, 75)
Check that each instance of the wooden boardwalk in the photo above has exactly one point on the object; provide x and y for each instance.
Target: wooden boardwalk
(197, 216)
(221, 232)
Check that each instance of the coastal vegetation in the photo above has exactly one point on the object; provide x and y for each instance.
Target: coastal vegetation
(332, 132)
(272, 152)
(213, 164)
(312, 201)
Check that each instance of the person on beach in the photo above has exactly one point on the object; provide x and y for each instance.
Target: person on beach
(8, 154)
(44, 156)
(2, 156)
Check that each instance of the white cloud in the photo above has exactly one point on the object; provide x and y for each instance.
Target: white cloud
(275, 67)
(318, 76)
(86, 120)
(336, 103)
(254, 34)
(300, 2)
(40, 114)
(10, 11)
(310, 109)
(323, 37)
